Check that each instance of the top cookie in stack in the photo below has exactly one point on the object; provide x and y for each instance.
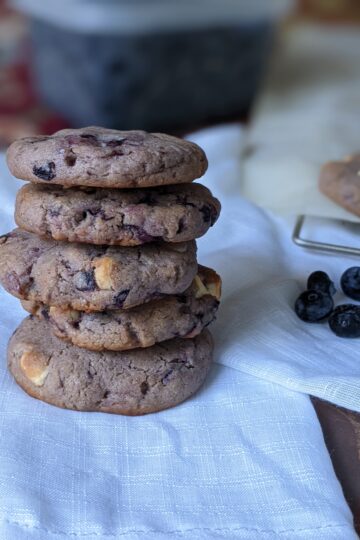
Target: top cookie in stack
(105, 256)
(100, 158)
(106, 158)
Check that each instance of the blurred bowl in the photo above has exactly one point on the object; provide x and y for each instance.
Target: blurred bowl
(155, 65)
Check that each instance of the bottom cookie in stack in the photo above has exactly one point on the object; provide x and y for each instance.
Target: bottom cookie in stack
(133, 382)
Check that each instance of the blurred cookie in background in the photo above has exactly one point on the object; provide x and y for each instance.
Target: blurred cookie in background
(331, 10)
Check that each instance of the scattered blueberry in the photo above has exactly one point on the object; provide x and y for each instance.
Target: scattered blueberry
(320, 281)
(345, 321)
(350, 282)
(313, 306)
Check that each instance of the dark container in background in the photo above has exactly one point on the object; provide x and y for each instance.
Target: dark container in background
(155, 65)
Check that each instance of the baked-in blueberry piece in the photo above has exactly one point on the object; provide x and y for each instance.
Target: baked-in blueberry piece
(46, 171)
(320, 281)
(313, 306)
(85, 281)
(345, 321)
(350, 282)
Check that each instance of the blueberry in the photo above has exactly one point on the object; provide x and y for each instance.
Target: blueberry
(209, 214)
(46, 171)
(313, 306)
(345, 321)
(121, 297)
(320, 281)
(350, 282)
(85, 281)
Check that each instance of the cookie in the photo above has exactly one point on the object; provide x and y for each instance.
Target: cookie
(108, 158)
(93, 278)
(340, 181)
(118, 217)
(184, 315)
(130, 382)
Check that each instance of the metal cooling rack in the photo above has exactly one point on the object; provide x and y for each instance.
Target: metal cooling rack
(319, 246)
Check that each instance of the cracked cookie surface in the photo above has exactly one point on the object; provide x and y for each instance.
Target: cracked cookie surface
(130, 382)
(93, 278)
(117, 217)
(184, 315)
(100, 157)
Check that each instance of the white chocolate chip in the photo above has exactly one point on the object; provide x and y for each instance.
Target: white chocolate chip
(103, 271)
(71, 315)
(200, 287)
(213, 288)
(34, 366)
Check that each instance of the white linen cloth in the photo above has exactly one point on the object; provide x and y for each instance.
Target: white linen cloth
(243, 459)
(263, 272)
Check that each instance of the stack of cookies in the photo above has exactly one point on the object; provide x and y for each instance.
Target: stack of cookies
(104, 259)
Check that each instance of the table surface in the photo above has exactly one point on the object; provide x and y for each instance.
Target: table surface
(341, 429)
